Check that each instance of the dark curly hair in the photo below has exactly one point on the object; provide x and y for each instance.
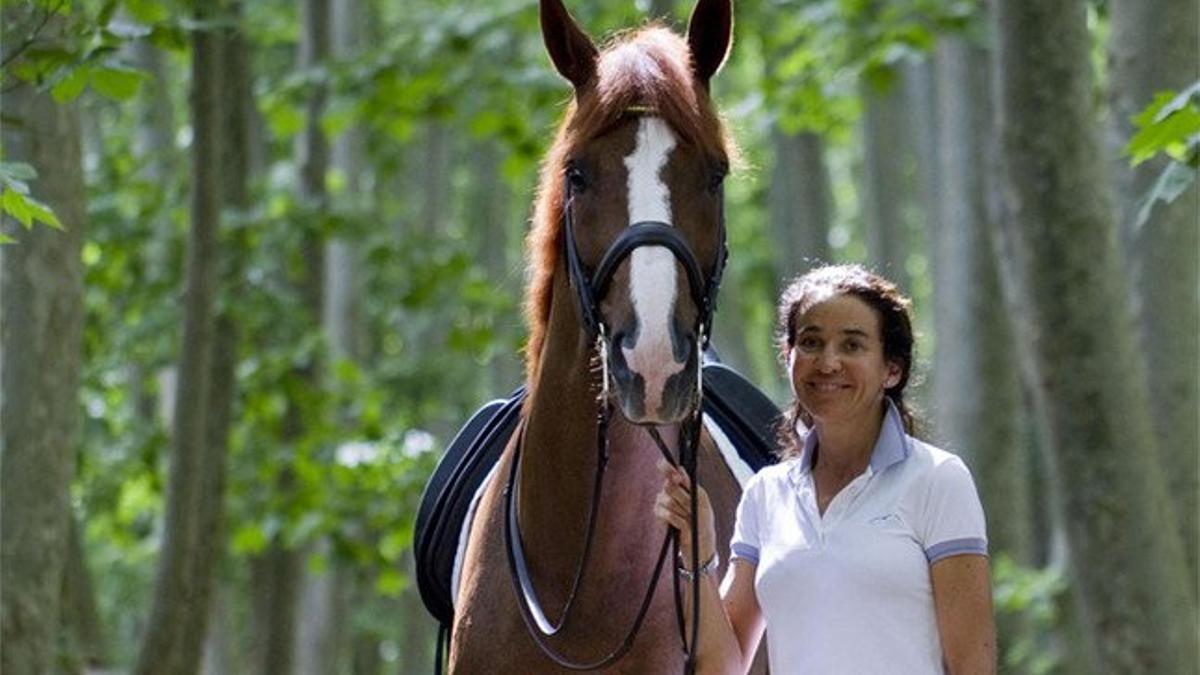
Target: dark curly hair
(882, 296)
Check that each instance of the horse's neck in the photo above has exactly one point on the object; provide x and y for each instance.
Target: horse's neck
(559, 455)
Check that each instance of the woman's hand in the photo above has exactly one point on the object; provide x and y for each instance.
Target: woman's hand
(673, 506)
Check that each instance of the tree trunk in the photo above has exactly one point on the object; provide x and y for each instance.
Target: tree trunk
(419, 639)
(323, 603)
(41, 325)
(367, 660)
(921, 100)
(1062, 271)
(1155, 46)
(285, 564)
(80, 618)
(175, 632)
(977, 391)
(800, 200)
(154, 146)
(218, 642)
(235, 178)
(436, 209)
(886, 153)
(489, 215)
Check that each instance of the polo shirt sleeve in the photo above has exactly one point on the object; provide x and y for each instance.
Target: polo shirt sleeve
(745, 542)
(953, 518)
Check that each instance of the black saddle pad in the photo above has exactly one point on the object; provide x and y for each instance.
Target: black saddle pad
(745, 415)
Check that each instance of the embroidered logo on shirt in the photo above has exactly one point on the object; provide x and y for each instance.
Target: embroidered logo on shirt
(885, 519)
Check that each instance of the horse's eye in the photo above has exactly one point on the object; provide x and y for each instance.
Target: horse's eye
(716, 180)
(576, 181)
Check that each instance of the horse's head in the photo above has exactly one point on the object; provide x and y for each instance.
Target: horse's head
(640, 162)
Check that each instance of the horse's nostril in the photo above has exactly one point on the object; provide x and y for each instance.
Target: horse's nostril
(682, 343)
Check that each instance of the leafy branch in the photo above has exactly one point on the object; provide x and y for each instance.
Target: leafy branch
(1170, 126)
(34, 34)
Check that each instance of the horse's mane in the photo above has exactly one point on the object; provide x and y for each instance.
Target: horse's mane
(649, 68)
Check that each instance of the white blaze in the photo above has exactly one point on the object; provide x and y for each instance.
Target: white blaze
(651, 268)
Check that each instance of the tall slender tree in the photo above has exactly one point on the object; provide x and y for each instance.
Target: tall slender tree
(800, 201)
(976, 391)
(1062, 271)
(172, 643)
(85, 633)
(886, 143)
(235, 141)
(323, 600)
(1154, 47)
(41, 326)
(312, 161)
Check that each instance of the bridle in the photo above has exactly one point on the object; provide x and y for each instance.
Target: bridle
(590, 291)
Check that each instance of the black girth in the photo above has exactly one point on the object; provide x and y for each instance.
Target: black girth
(589, 292)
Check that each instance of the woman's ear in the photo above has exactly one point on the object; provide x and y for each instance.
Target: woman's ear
(894, 372)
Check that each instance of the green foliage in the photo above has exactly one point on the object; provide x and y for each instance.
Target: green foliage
(816, 56)
(16, 201)
(1029, 599)
(326, 448)
(1169, 126)
(67, 47)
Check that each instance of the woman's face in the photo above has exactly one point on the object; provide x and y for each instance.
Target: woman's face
(837, 366)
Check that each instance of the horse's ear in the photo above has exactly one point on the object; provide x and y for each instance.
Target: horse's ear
(570, 48)
(710, 31)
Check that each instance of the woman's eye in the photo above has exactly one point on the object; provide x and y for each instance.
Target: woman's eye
(809, 344)
(852, 347)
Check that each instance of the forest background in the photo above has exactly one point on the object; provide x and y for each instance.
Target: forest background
(260, 260)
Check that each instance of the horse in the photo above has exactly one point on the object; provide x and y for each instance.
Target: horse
(640, 148)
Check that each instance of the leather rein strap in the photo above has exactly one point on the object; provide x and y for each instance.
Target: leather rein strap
(589, 292)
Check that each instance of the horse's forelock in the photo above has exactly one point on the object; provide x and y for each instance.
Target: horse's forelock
(650, 68)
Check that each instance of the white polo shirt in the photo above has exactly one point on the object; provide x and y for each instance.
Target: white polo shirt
(849, 591)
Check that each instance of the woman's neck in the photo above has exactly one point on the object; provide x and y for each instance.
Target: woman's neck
(845, 448)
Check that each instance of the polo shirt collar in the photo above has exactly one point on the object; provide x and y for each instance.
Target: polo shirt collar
(891, 447)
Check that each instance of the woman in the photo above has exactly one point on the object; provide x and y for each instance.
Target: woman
(864, 550)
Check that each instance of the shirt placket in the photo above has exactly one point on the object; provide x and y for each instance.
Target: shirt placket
(843, 502)
(808, 503)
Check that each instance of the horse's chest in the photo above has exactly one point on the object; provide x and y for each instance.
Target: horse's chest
(490, 636)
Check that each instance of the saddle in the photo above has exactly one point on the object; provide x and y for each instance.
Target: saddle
(741, 413)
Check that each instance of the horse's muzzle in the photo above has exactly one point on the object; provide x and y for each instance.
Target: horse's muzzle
(653, 384)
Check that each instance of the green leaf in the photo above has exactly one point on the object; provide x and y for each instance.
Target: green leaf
(390, 582)
(146, 11)
(1171, 183)
(70, 86)
(42, 213)
(285, 120)
(4, 239)
(17, 171)
(13, 203)
(249, 539)
(170, 37)
(1166, 125)
(117, 83)
(1179, 102)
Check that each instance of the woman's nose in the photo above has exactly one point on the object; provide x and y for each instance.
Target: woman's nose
(828, 361)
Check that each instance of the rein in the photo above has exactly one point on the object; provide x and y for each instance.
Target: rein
(589, 292)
